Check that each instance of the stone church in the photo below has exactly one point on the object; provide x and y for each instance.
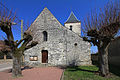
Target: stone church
(57, 44)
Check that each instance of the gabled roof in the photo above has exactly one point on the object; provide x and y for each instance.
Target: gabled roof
(72, 18)
(43, 17)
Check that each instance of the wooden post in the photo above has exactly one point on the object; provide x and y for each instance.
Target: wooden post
(21, 29)
(22, 58)
(4, 57)
(22, 37)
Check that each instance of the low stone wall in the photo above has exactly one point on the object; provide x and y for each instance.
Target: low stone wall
(94, 57)
(5, 61)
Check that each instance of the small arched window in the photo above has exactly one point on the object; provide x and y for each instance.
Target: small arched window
(45, 35)
(71, 27)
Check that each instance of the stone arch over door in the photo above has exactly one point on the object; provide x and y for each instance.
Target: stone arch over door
(44, 56)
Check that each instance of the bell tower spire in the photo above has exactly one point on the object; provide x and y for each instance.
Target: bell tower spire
(73, 24)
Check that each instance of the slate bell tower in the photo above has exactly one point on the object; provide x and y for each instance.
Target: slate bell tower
(73, 24)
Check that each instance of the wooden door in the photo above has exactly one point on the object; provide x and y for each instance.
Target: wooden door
(44, 56)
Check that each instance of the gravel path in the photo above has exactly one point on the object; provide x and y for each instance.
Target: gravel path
(44, 73)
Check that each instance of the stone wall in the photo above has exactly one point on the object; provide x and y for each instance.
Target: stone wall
(78, 51)
(76, 27)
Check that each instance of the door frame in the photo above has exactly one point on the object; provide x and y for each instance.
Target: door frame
(44, 56)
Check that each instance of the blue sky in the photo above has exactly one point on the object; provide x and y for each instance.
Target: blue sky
(28, 10)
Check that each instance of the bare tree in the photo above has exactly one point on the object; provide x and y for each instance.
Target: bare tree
(6, 23)
(100, 29)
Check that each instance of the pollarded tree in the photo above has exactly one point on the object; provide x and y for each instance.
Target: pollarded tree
(6, 23)
(100, 29)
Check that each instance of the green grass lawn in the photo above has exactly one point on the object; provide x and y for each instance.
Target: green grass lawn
(85, 73)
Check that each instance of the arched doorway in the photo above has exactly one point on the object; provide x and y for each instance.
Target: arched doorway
(44, 56)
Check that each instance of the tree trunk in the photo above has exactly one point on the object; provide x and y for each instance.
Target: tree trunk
(16, 70)
(103, 60)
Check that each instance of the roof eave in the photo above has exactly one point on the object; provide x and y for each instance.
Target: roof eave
(72, 22)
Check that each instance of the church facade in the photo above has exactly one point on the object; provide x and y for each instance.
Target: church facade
(57, 44)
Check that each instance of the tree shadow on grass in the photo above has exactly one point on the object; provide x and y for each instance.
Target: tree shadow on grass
(112, 68)
(76, 68)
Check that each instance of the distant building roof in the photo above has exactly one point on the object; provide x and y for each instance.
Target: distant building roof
(4, 47)
(72, 18)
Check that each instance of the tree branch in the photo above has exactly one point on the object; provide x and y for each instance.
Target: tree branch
(34, 43)
(19, 42)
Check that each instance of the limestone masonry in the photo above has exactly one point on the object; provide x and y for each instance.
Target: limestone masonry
(58, 45)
